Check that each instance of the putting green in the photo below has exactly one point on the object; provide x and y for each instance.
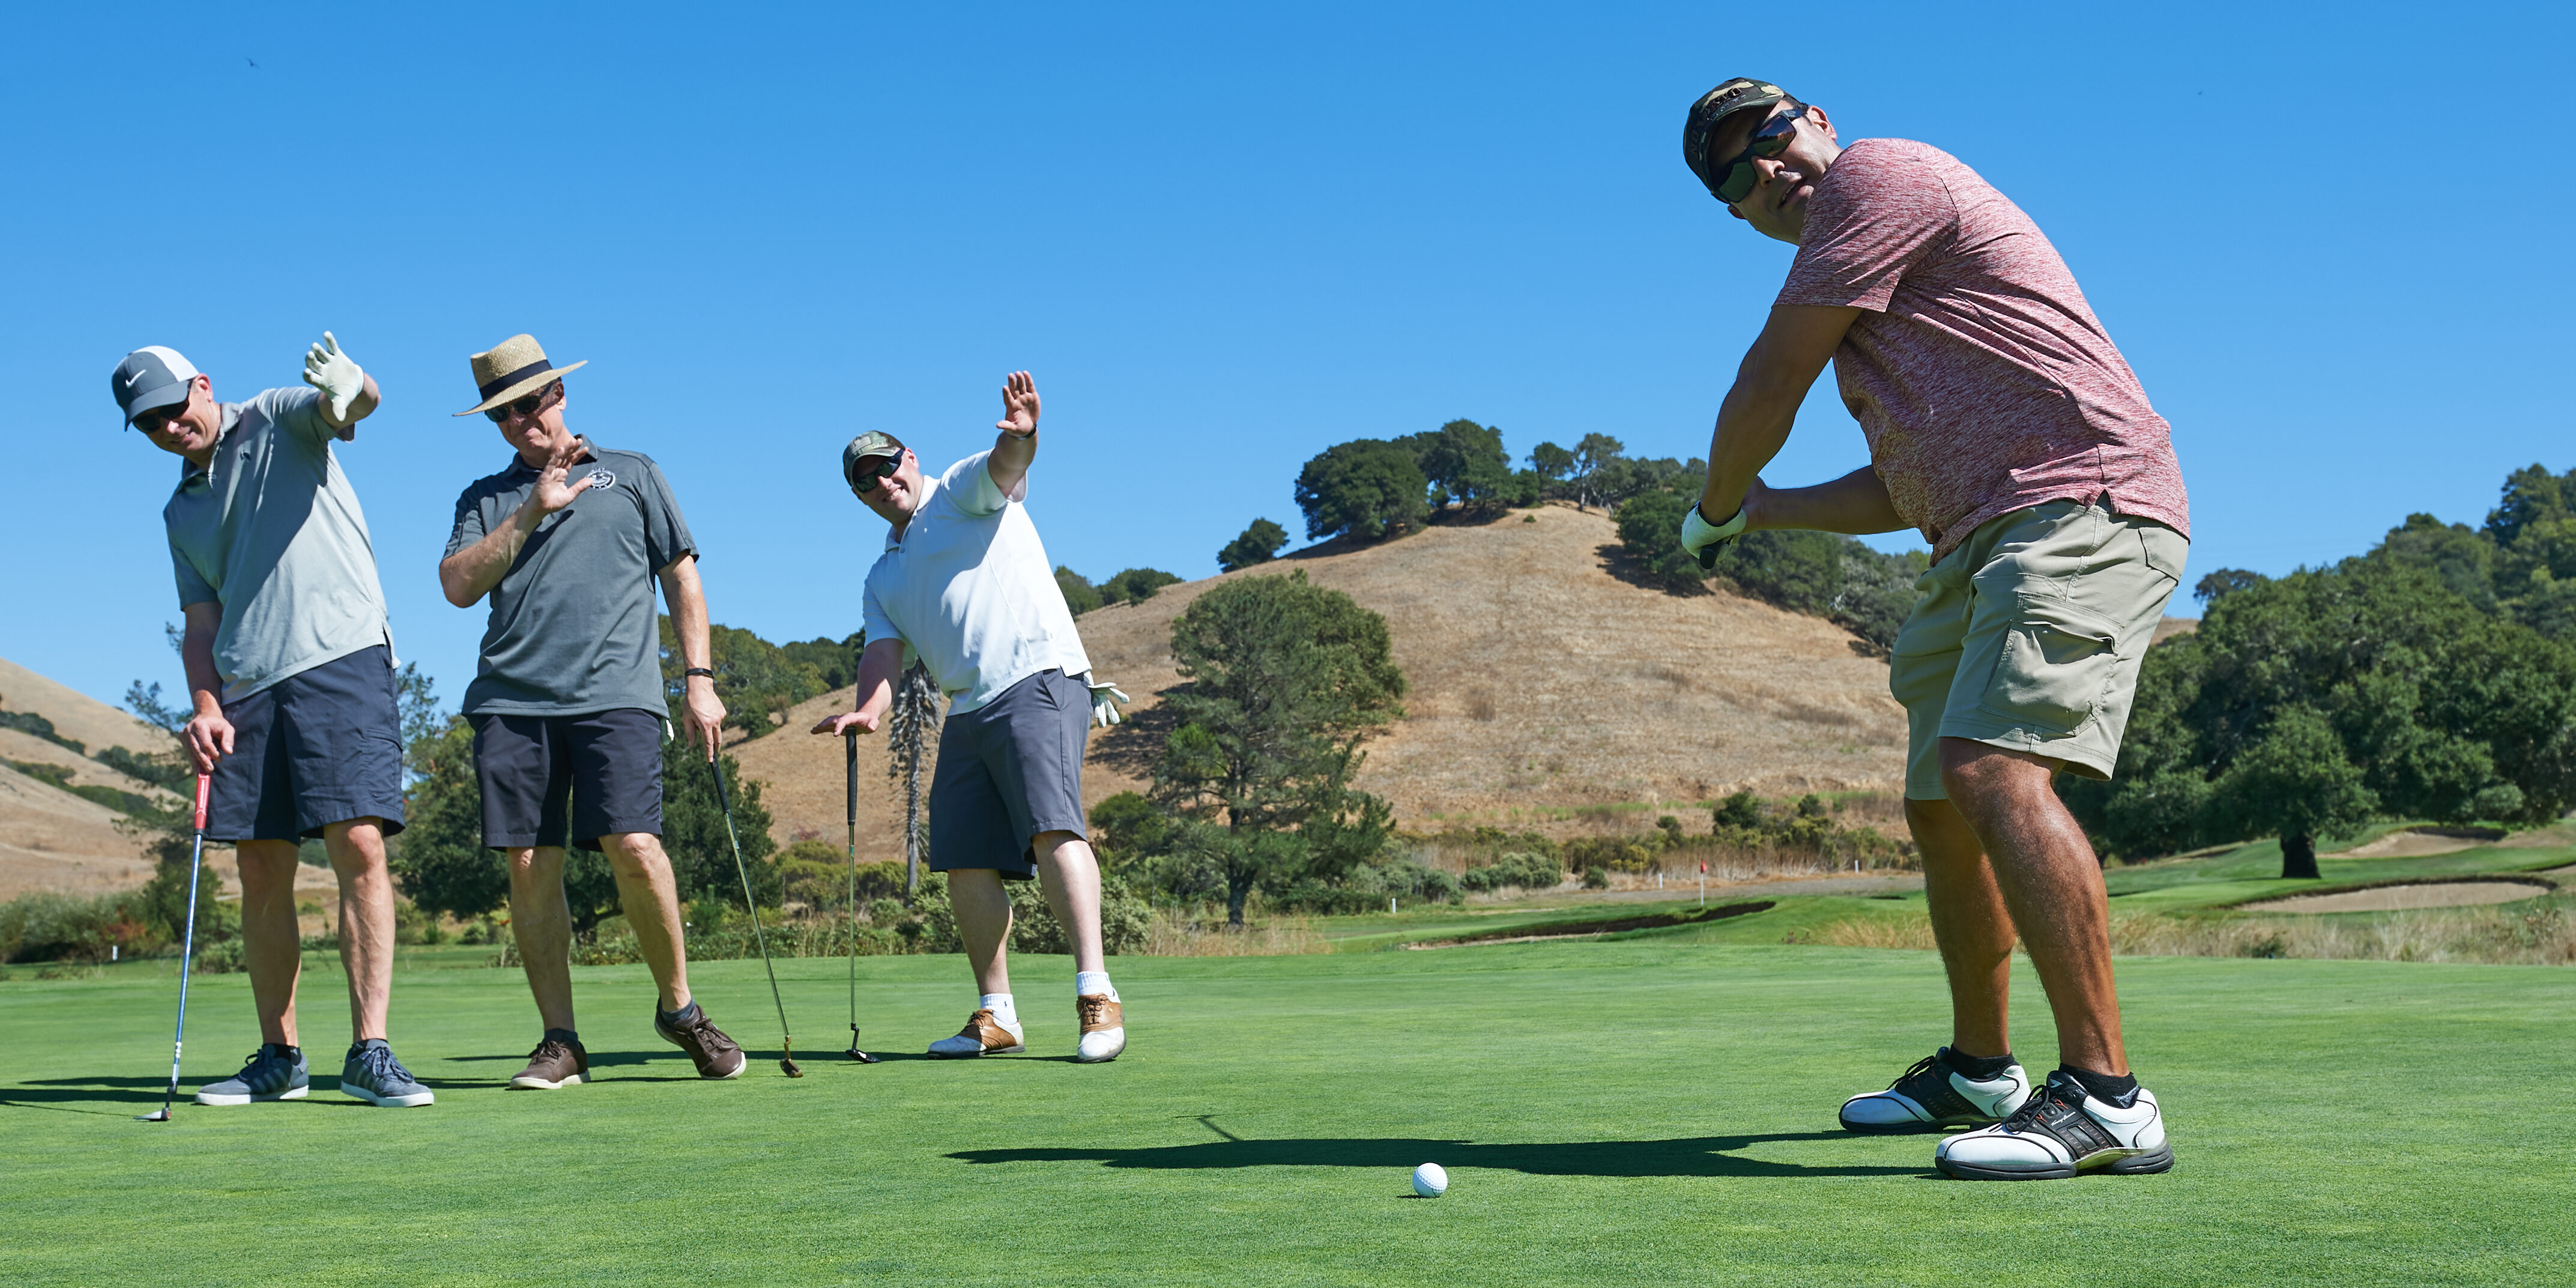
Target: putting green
(1608, 1111)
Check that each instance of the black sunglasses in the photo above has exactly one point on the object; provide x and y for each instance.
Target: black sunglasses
(863, 478)
(1736, 178)
(522, 407)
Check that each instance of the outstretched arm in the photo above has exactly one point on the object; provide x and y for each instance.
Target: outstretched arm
(1017, 445)
(1755, 418)
(1855, 503)
(880, 665)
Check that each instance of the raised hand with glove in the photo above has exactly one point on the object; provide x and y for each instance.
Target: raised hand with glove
(1106, 698)
(348, 394)
(1702, 539)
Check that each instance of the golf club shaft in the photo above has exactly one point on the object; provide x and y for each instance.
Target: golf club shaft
(725, 799)
(187, 943)
(850, 763)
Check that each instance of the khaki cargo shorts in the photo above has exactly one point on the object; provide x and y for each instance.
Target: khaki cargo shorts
(2028, 637)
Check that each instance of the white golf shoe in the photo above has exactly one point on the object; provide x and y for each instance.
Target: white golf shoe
(983, 1035)
(1104, 1028)
(2061, 1131)
(1932, 1095)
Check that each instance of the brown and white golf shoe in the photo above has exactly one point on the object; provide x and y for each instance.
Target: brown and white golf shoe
(983, 1035)
(557, 1062)
(716, 1055)
(1104, 1028)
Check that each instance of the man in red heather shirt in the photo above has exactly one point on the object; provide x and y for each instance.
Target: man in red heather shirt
(2004, 426)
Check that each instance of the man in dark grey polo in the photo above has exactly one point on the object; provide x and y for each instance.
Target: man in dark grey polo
(568, 542)
(290, 671)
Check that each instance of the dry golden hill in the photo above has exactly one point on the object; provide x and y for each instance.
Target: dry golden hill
(1541, 681)
(49, 838)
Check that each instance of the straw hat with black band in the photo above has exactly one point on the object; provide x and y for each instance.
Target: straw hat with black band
(512, 369)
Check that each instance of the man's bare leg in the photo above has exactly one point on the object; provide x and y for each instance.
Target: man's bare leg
(272, 942)
(1069, 876)
(984, 922)
(651, 899)
(1970, 924)
(2052, 884)
(357, 850)
(541, 922)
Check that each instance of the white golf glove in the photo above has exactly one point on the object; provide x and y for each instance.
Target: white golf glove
(1106, 698)
(1702, 539)
(336, 374)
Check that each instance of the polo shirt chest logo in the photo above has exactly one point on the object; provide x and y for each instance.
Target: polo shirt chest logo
(603, 479)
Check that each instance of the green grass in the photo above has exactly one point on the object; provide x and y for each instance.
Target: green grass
(1610, 1112)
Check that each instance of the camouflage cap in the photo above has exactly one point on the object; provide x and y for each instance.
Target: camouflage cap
(875, 442)
(1714, 106)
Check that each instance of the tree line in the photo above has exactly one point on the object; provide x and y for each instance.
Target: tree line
(2433, 677)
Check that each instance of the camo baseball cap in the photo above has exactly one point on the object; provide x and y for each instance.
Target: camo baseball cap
(875, 442)
(1698, 128)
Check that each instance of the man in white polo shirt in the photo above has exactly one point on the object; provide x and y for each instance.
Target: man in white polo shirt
(965, 587)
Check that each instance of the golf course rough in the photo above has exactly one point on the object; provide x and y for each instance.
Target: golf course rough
(1612, 1112)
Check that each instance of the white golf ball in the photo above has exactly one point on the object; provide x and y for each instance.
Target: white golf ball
(1430, 1181)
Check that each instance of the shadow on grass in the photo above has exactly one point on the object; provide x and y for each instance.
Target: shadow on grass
(1683, 1156)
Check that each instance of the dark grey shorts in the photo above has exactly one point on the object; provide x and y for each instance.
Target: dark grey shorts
(1009, 770)
(320, 746)
(608, 762)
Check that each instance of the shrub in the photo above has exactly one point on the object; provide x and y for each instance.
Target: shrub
(1528, 871)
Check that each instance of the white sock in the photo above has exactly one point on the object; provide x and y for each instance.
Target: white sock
(1004, 1013)
(1091, 983)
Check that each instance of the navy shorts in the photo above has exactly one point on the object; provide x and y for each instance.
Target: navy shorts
(1009, 770)
(318, 747)
(608, 762)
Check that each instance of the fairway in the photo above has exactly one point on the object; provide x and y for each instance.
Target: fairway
(1636, 1112)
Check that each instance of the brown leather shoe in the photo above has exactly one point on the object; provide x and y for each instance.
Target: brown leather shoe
(983, 1035)
(1104, 1028)
(716, 1055)
(557, 1062)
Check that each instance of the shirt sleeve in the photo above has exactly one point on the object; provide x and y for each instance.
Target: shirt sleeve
(666, 532)
(469, 521)
(970, 485)
(193, 586)
(298, 411)
(1881, 214)
(874, 624)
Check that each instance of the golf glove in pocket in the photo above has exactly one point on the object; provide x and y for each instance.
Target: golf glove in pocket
(1701, 539)
(1106, 698)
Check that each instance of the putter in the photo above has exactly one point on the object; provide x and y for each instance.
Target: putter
(786, 1043)
(850, 762)
(187, 953)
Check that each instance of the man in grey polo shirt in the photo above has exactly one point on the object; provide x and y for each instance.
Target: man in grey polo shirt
(290, 674)
(965, 587)
(568, 542)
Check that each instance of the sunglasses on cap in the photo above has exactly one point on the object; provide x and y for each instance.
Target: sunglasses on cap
(1736, 178)
(864, 476)
(522, 406)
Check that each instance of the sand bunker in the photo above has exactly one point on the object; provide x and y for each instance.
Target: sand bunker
(2389, 898)
(2415, 843)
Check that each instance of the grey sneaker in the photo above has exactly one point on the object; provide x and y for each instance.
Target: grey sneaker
(273, 1072)
(372, 1074)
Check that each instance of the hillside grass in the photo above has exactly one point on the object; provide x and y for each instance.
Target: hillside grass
(1639, 1112)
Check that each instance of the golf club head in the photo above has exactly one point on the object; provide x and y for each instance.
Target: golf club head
(861, 1056)
(788, 1067)
(156, 1116)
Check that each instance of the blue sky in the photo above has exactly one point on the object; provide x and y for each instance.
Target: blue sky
(2331, 239)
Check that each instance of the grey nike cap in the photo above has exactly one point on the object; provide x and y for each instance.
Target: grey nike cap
(150, 377)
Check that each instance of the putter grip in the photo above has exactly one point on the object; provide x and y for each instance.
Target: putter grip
(205, 786)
